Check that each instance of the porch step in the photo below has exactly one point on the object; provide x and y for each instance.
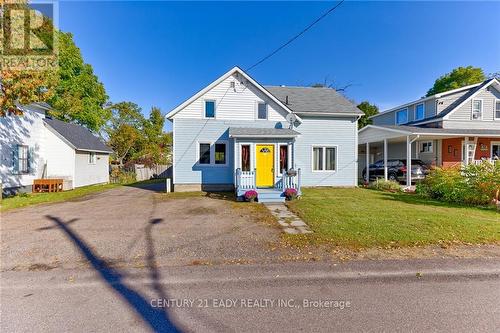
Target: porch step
(267, 195)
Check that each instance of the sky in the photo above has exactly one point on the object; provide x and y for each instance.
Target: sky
(161, 53)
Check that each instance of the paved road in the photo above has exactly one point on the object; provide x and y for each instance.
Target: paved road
(429, 295)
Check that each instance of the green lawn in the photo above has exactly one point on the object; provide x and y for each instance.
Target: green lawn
(362, 218)
(39, 198)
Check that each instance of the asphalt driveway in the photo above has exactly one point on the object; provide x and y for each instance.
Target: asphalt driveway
(130, 227)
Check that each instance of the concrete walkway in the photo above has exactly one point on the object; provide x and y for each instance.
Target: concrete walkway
(291, 223)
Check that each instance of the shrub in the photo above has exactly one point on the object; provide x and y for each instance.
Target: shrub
(291, 193)
(385, 185)
(469, 185)
(250, 195)
(122, 177)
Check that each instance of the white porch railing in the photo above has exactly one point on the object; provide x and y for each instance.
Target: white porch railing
(488, 160)
(246, 180)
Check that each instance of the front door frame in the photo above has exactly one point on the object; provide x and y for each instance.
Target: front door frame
(274, 145)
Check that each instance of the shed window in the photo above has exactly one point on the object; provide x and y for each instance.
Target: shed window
(419, 111)
(426, 147)
(497, 109)
(324, 158)
(477, 109)
(92, 158)
(209, 109)
(220, 153)
(402, 116)
(23, 159)
(262, 111)
(204, 153)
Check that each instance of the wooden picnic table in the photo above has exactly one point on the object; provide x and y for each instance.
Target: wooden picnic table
(47, 185)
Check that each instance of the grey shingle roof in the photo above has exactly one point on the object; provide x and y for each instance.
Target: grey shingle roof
(452, 131)
(80, 137)
(258, 132)
(308, 99)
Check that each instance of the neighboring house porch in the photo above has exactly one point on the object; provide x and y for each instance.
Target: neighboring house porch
(440, 147)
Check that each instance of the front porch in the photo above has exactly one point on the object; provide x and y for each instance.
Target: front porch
(438, 147)
(264, 162)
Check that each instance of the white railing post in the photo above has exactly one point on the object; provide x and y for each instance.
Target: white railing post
(254, 178)
(283, 179)
(298, 181)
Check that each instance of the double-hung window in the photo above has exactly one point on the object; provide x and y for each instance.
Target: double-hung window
(209, 109)
(477, 109)
(419, 111)
(497, 109)
(262, 111)
(402, 116)
(23, 159)
(324, 159)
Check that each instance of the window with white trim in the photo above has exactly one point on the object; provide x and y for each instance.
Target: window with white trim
(497, 109)
(92, 158)
(402, 116)
(204, 153)
(262, 111)
(426, 147)
(209, 109)
(23, 159)
(220, 153)
(477, 109)
(324, 159)
(283, 158)
(419, 111)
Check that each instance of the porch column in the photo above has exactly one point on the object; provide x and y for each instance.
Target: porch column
(408, 161)
(367, 162)
(385, 160)
(466, 147)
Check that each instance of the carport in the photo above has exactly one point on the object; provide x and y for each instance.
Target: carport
(410, 136)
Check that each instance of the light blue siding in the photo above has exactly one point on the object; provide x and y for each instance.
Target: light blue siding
(340, 132)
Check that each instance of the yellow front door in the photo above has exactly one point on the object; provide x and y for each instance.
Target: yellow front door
(265, 165)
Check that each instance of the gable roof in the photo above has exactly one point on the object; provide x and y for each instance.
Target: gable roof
(219, 80)
(77, 136)
(309, 100)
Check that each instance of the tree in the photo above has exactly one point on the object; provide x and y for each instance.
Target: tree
(369, 110)
(78, 96)
(457, 78)
(125, 130)
(156, 148)
(26, 86)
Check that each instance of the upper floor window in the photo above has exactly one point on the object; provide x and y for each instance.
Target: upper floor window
(497, 109)
(262, 111)
(402, 116)
(477, 109)
(209, 109)
(419, 111)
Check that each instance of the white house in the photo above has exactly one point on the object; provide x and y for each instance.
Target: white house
(238, 134)
(35, 146)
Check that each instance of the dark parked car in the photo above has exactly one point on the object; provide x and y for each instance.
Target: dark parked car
(396, 170)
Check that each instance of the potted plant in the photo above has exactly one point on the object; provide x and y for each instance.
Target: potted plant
(251, 195)
(291, 193)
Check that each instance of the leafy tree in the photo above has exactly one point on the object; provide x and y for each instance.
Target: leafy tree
(369, 110)
(457, 78)
(125, 130)
(79, 96)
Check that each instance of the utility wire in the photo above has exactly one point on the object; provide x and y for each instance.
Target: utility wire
(296, 36)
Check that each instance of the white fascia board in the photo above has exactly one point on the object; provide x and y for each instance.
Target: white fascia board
(446, 117)
(235, 69)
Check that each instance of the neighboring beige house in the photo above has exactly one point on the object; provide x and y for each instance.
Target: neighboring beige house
(35, 146)
(459, 126)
